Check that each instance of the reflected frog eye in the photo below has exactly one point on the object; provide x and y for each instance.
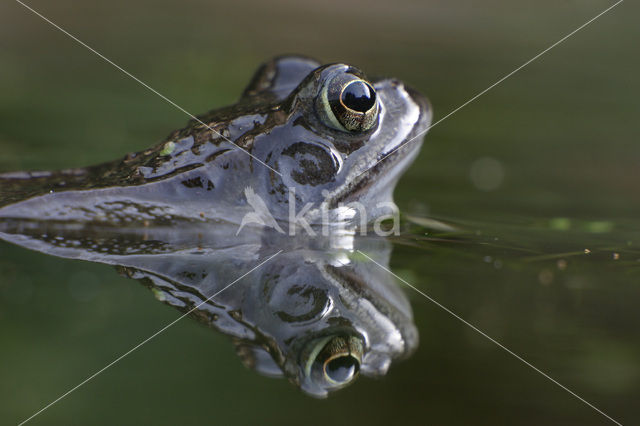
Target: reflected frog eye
(341, 368)
(334, 361)
(349, 103)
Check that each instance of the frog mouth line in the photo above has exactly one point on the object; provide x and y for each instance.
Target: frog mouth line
(419, 130)
(367, 178)
(394, 155)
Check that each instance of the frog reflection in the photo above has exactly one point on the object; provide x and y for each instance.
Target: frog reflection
(317, 313)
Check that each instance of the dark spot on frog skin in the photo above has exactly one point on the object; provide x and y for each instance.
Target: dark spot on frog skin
(216, 155)
(345, 147)
(316, 165)
(198, 182)
(312, 302)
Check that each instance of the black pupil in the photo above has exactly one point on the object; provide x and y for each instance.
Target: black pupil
(358, 96)
(342, 368)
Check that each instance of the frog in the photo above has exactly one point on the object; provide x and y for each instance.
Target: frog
(314, 313)
(303, 135)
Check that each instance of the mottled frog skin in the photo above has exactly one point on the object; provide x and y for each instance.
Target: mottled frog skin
(288, 118)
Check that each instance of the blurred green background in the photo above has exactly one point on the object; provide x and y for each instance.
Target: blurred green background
(556, 144)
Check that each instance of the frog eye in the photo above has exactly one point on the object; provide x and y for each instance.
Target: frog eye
(349, 103)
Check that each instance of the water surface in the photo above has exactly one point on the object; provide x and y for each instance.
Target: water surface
(544, 258)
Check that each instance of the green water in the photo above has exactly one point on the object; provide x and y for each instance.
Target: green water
(546, 258)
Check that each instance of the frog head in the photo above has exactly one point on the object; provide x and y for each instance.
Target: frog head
(344, 138)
